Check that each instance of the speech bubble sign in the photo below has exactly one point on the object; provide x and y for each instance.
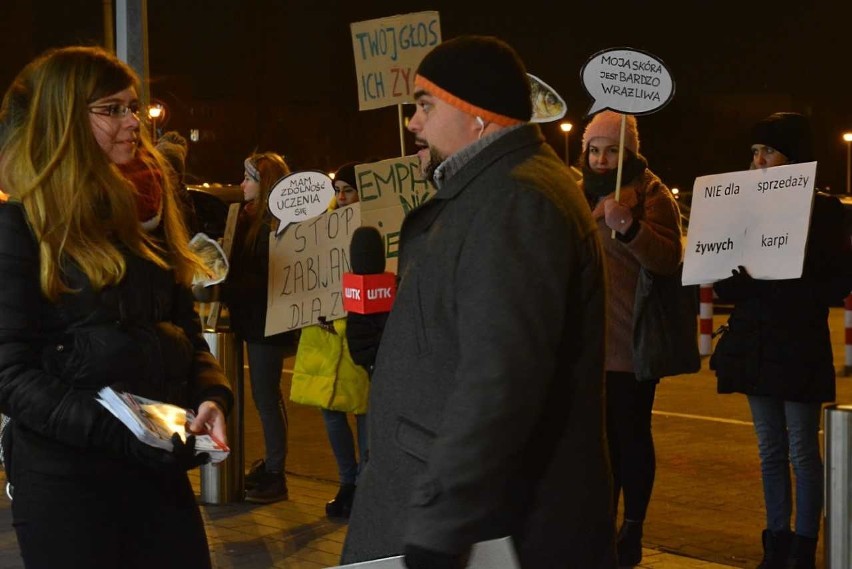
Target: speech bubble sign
(627, 81)
(300, 196)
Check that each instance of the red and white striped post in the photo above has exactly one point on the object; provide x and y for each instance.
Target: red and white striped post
(847, 319)
(705, 320)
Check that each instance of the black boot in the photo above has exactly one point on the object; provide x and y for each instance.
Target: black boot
(802, 553)
(776, 548)
(629, 543)
(341, 506)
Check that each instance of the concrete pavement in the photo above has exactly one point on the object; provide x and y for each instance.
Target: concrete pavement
(289, 535)
(706, 511)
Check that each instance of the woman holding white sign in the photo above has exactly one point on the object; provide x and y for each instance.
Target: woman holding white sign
(646, 223)
(777, 351)
(245, 293)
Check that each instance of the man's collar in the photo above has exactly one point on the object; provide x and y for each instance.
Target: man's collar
(456, 162)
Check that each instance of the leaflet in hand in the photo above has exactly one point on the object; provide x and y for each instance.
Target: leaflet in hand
(154, 422)
(492, 554)
(214, 258)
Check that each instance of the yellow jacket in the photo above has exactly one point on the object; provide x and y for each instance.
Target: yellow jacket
(324, 374)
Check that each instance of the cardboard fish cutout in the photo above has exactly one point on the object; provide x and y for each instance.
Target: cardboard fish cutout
(547, 105)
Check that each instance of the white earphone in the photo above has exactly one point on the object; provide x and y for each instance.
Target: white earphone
(480, 122)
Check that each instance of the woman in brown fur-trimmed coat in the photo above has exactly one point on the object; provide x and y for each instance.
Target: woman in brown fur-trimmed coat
(645, 221)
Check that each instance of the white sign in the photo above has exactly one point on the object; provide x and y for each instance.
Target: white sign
(388, 191)
(300, 196)
(627, 81)
(387, 53)
(493, 554)
(306, 266)
(757, 218)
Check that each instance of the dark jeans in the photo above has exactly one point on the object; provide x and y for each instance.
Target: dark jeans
(130, 518)
(631, 445)
(265, 363)
(343, 443)
(788, 433)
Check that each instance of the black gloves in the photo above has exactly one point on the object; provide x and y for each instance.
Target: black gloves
(117, 439)
(364, 333)
(181, 458)
(419, 558)
(740, 286)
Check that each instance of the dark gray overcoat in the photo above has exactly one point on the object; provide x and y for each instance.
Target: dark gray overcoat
(486, 406)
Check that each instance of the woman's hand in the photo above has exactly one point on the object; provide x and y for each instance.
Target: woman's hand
(618, 217)
(210, 419)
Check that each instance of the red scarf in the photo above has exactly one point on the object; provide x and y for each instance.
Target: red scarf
(149, 191)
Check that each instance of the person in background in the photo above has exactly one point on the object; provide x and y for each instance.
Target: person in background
(174, 148)
(245, 294)
(325, 376)
(777, 351)
(96, 272)
(486, 404)
(646, 222)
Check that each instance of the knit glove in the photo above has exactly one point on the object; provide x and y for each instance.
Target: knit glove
(117, 439)
(739, 286)
(419, 558)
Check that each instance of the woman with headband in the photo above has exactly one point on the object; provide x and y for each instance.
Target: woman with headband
(245, 293)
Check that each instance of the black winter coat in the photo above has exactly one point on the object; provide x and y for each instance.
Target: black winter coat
(245, 290)
(142, 335)
(778, 342)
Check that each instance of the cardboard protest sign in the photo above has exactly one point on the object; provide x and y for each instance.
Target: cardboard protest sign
(387, 53)
(389, 190)
(306, 266)
(756, 218)
(627, 81)
(300, 196)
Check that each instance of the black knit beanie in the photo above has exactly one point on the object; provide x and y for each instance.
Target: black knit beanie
(481, 75)
(788, 133)
(347, 173)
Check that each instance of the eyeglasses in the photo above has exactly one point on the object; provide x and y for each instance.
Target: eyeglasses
(115, 110)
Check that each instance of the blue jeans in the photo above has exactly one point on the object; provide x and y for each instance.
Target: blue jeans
(265, 363)
(788, 433)
(343, 443)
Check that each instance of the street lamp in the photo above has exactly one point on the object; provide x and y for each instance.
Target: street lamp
(847, 136)
(155, 112)
(566, 128)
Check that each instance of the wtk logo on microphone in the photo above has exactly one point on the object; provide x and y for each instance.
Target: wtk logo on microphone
(368, 294)
(352, 293)
(371, 293)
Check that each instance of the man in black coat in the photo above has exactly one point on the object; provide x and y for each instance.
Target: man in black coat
(486, 405)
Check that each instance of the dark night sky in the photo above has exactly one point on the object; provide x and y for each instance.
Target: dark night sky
(279, 75)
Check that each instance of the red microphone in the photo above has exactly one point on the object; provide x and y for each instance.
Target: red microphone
(368, 289)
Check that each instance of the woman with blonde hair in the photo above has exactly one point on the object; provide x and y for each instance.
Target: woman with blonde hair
(245, 293)
(96, 292)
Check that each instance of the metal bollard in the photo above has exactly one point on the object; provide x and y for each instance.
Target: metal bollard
(847, 320)
(224, 482)
(838, 486)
